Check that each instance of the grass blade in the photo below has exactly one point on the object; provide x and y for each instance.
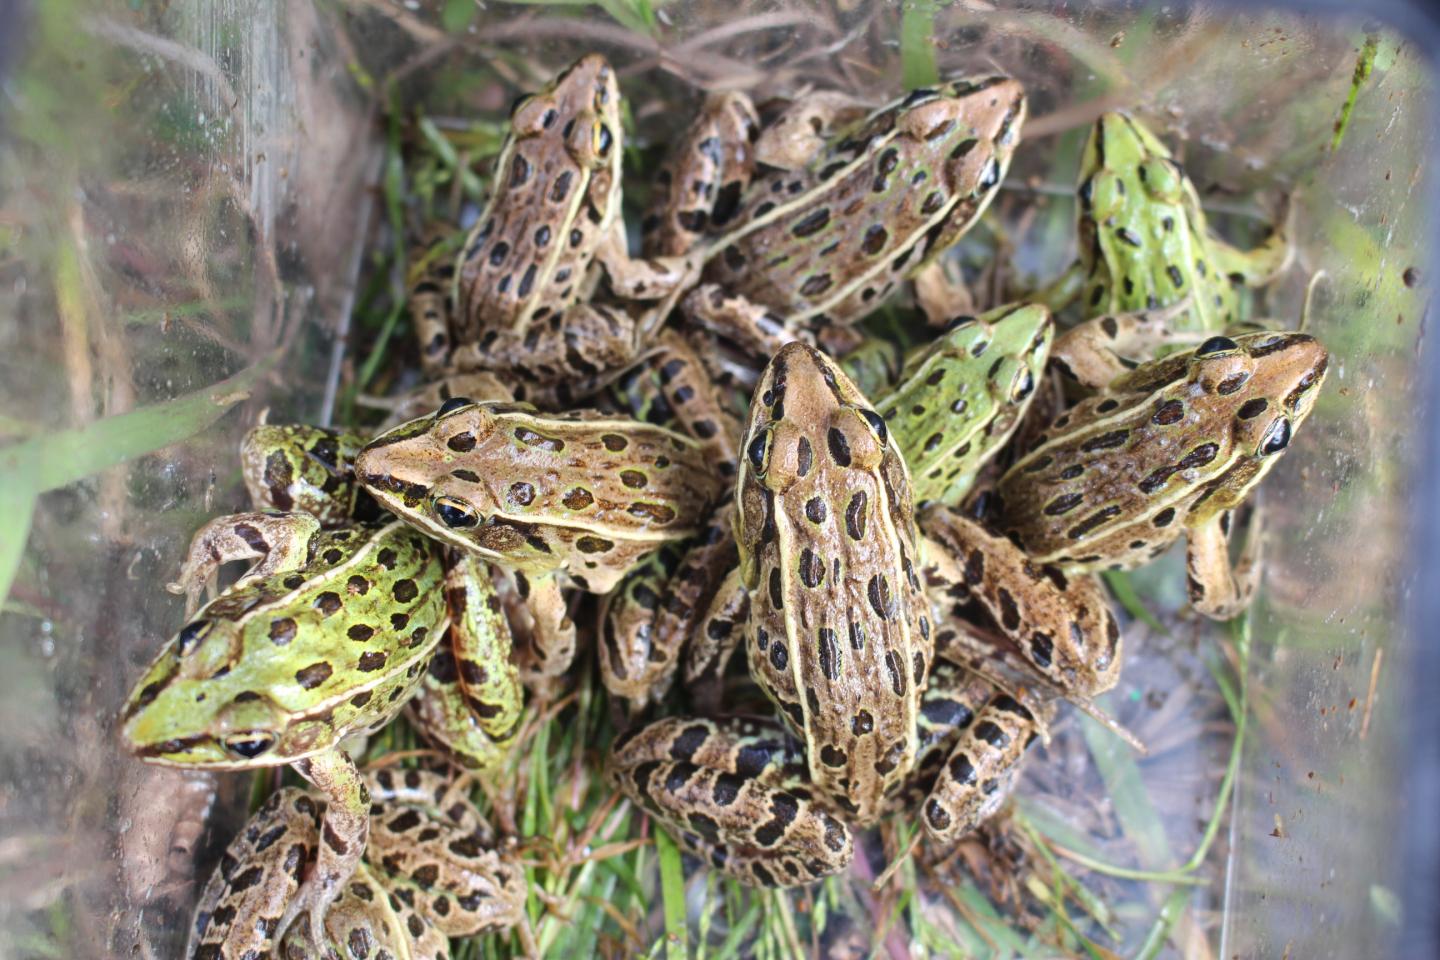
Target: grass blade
(672, 892)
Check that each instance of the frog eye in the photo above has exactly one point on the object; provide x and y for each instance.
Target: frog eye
(249, 744)
(603, 139)
(1023, 386)
(1277, 437)
(1216, 345)
(455, 513)
(518, 102)
(877, 424)
(453, 404)
(758, 449)
(955, 323)
(190, 636)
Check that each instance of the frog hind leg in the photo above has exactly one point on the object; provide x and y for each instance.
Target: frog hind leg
(713, 640)
(721, 788)
(431, 280)
(699, 186)
(980, 773)
(277, 542)
(429, 837)
(632, 666)
(1220, 589)
(941, 297)
(1262, 263)
(749, 325)
(568, 356)
(344, 830)
(1097, 351)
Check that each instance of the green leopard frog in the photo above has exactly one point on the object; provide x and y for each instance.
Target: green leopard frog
(519, 297)
(1175, 446)
(431, 873)
(827, 228)
(837, 609)
(470, 698)
(1145, 246)
(961, 396)
(326, 636)
(585, 494)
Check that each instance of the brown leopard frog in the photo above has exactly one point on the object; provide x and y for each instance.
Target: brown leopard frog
(840, 632)
(819, 241)
(584, 494)
(1175, 446)
(520, 297)
(431, 872)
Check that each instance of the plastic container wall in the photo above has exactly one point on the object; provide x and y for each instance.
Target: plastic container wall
(185, 197)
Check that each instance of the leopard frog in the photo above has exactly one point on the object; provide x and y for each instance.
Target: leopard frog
(584, 494)
(961, 396)
(819, 244)
(523, 282)
(470, 699)
(326, 636)
(1145, 246)
(431, 872)
(1174, 446)
(840, 633)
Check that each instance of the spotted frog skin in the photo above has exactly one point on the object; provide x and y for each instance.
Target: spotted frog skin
(431, 873)
(470, 699)
(961, 396)
(649, 618)
(1173, 447)
(327, 636)
(524, 281)
(584, 494)
(1145, 246)
(822, 244)
(840, 633)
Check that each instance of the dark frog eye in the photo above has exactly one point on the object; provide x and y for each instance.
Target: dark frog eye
(757, 449)
(1277, 437)
(602, 139)
(190, 636)
(1023, 386)
(455, 513)
(1216, 345)
(877, 424)
(956, 323)
(250, 744)
(453, 404)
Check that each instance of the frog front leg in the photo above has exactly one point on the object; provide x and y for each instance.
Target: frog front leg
(344, 830)
(471, 699)
(804, 128)
(277, 542)
(734, 791)
(941, 297)
(542, 616)
(1218, 588)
